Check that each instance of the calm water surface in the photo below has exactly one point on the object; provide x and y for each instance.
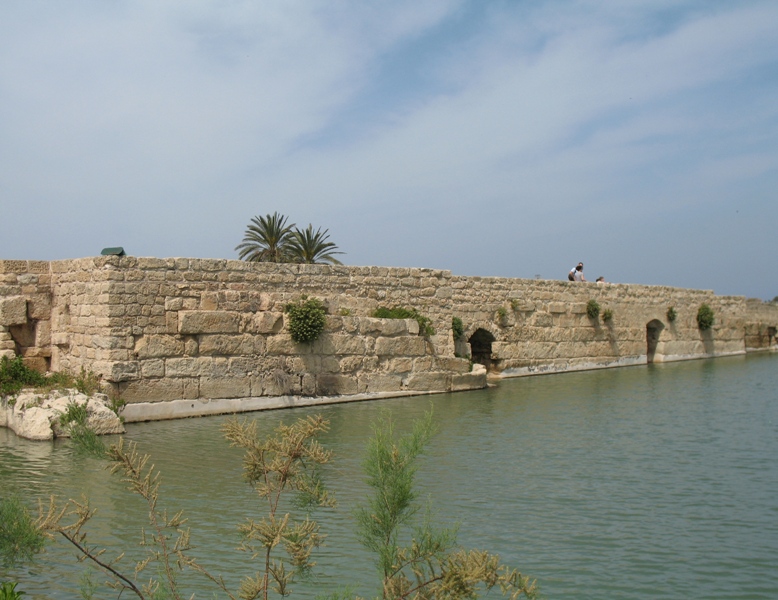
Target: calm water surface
(641, 482)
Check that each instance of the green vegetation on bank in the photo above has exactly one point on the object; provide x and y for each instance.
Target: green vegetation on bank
(15, 376)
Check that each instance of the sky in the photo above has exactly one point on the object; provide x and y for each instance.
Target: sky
(509, 138)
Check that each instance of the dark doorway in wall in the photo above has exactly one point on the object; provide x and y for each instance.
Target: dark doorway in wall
(653, 330)
(481, 347)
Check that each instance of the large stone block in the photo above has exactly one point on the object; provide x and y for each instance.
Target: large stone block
(159, 346)
(230, 345)
(284, 344)
(39, 306)
(208, 321)
(225, 387)
(154, 367)
(267, 322)
(112, 371)
(401, 346)
(43, 333)
(468, 381)
(385, 327)
(380, 382)
(455, 365)
(340, 345)
(189, 367)
(428, 382)
(13, 311)
(154, 390)
(335, 385)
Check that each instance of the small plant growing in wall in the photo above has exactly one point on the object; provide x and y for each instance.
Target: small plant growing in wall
(593, 309)
(398, 312)
(306, 319)
(515, 304)
(457, 328)
(671, 314)
(607, 315)
(502, 315)
(705, 317)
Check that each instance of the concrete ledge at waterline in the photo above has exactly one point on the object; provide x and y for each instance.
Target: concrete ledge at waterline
(179, 409)
(550, 368)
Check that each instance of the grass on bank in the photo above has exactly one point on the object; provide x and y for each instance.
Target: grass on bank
(16, 376)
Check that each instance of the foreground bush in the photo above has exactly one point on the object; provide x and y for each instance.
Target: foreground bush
(415, 560)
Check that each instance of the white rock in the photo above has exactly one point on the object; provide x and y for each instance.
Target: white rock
(37, 416)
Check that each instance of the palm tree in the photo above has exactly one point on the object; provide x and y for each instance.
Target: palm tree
(267, 239)
(307, 246)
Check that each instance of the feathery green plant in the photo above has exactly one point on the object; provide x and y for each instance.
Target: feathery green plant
(431, 565)
(20, 539)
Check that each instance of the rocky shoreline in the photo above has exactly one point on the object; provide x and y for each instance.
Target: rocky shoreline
(37, 416)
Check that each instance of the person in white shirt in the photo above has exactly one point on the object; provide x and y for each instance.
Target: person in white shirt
(576, 273)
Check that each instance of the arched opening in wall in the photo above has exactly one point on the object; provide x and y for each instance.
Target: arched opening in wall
(481, 347)
(653, 331)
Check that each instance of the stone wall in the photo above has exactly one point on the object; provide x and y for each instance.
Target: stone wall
(760, 325)
(165, 330)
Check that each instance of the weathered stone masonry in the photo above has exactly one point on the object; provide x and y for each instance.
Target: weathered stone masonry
(181, 330)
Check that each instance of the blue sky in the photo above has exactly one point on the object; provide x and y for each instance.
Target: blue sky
(507, 138)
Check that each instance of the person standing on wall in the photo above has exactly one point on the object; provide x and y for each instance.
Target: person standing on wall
(576, 273)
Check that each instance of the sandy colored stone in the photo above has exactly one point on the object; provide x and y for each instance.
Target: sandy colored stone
(13, 310)
(402, 346)
(335, 385)
(225, 387)
(192, 322)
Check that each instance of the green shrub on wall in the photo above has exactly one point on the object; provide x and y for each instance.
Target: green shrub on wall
(671, 314)
(398, 312)
(306, 319)
(593, 309)
(457, 327)
(607, 315)
(705, 318)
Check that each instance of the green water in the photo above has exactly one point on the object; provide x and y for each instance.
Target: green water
(640, 482)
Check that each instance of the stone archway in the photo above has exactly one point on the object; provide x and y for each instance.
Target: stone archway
(653, 331)
(481, 347)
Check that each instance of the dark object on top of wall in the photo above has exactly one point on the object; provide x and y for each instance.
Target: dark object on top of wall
(117, 251)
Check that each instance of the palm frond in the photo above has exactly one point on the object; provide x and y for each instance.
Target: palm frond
(266, 239)
(309, 246)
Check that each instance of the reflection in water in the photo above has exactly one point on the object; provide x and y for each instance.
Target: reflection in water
(639, 482)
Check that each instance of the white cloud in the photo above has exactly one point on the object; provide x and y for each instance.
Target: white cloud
(188, 118)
